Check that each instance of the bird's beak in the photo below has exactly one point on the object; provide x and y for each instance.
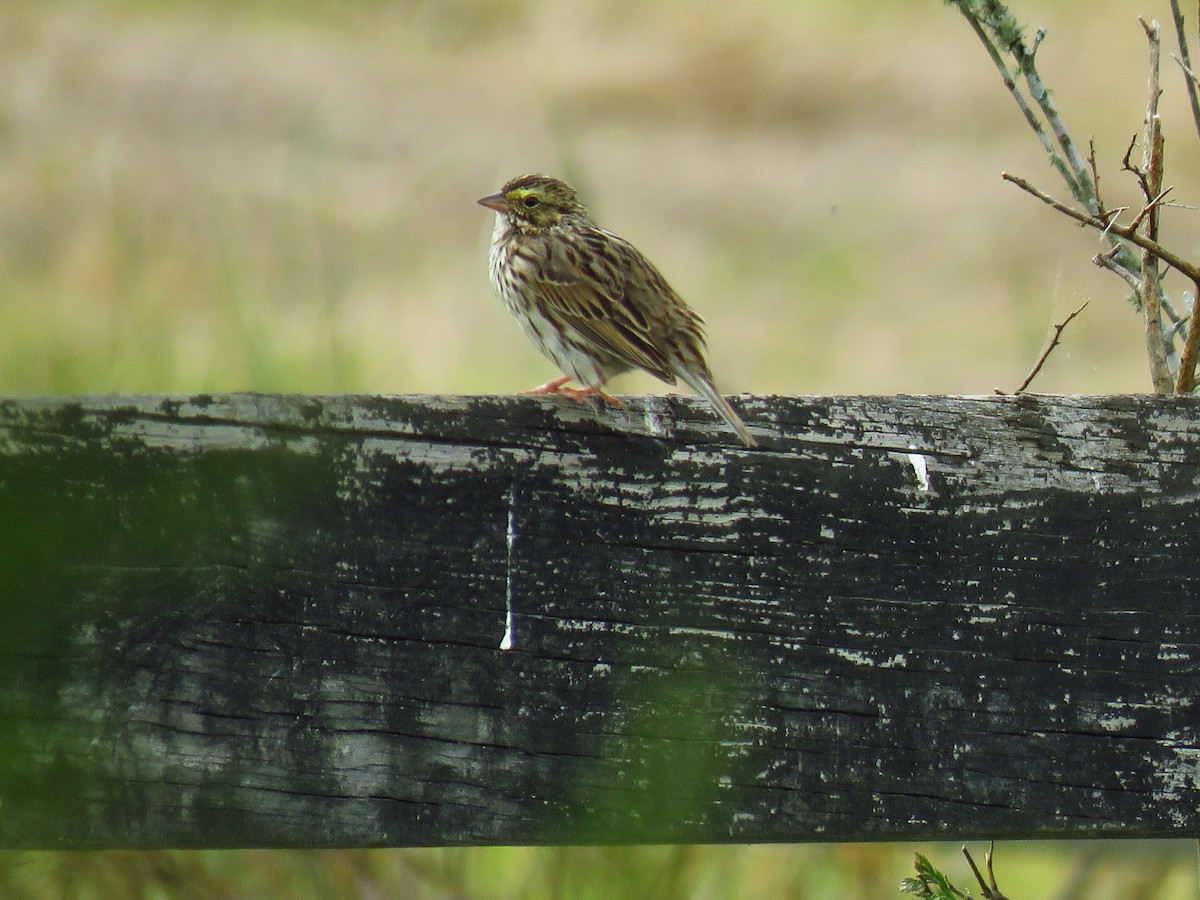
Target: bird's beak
(495, 201)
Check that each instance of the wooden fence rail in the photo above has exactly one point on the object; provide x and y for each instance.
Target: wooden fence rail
(259, 620)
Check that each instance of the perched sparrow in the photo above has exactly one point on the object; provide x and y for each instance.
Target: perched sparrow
(589, 299)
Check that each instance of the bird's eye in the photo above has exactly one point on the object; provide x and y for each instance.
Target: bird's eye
(530, 201)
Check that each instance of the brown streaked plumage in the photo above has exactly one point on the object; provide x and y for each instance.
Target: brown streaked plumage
(589, 299)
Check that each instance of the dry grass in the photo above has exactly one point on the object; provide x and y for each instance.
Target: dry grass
(279, 196)
(199, 197)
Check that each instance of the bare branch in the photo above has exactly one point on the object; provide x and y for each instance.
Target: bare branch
(989, 888)
(1106, 261)
(995, 891)
(1156, 201)
(1185, 381)
(1004, 40)
(1179, 326)
(1151, 177)
(1047, 350)
(1156, 345)
(1000, 34)
(1082, 188)
(1185, 62)
(1174, 260)
(1187, 71)
(1010, 83)
(1127, 159)
(1140, 171)
(1014, 56)
(974, 868)
(1101, 211)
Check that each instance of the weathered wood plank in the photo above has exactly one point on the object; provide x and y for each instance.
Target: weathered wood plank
(277, 621)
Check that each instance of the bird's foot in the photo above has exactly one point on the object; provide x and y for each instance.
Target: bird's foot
(579, 395)
(550, 387)
(596, 392)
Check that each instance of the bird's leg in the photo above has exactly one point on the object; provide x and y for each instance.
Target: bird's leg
(554, 386)
(597, 391)
(579, 395)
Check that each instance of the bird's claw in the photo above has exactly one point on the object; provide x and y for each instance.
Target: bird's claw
(579, 395)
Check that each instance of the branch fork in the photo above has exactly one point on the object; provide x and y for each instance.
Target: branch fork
(1138, 254)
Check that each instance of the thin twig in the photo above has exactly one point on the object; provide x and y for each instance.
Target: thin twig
(1187, 72)
(1152, 206)
(1006, 33)
(1179, 327)
(989, 888)
(995, 895)
(1185, 61)
(974, 868)
(1101, 211)
(1015, 59)
(1047, 350)
(1118, 252)
(1174, 260)
(1001, 37)
(1127, 159)
(1081, 187)
(1106, 261)
(1031, 119)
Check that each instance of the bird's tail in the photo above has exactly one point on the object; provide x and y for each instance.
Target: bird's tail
(703, 386)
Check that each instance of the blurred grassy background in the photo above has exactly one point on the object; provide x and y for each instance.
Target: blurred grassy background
(223, 195)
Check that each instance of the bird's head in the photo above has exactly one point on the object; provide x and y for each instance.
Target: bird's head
(536, 202)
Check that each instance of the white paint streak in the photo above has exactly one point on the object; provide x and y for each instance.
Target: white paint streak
(985, 612)
(921, 468)
(898, 661)
(1116, 723)
(508, 641)
(706, 632)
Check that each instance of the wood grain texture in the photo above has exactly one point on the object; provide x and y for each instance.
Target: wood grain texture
(260, 620)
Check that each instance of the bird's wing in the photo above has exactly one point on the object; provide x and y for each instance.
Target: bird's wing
(612, 295)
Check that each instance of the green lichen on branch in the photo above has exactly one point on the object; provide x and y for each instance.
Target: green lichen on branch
(996, 17)
(1136, 253)
(1001, 35)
